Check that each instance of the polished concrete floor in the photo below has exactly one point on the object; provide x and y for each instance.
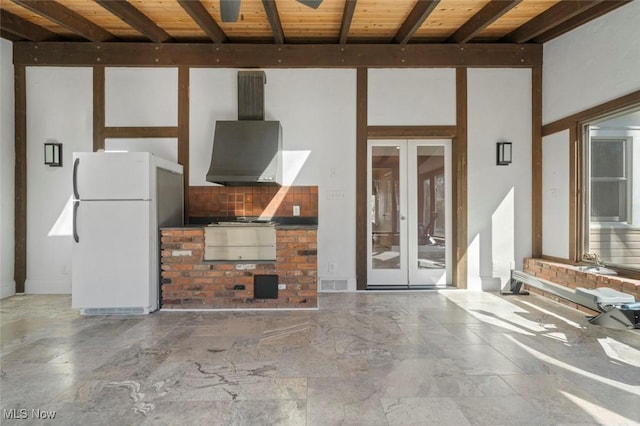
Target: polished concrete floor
(448, 357)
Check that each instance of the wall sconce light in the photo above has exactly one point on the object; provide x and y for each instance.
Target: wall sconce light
(503, 153)
(53, 154)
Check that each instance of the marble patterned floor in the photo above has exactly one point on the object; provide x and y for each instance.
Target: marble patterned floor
(386, 358)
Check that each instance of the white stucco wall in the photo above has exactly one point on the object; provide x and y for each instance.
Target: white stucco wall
(588, 66)
(592, 64)
(499, 197)
(141, 96)
(555, 195)
(412, 96)
(59, 107)
(316, 108)
(162, 147)
(7, 160)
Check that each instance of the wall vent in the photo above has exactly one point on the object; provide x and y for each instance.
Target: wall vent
(334, 285)
(114, 311)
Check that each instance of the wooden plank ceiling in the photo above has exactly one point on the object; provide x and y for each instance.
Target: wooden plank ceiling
(292, 22)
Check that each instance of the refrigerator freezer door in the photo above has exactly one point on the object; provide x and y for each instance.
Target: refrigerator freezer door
(111, 260)
(111, 175)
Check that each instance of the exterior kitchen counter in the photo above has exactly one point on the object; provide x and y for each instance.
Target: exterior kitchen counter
(190, 282)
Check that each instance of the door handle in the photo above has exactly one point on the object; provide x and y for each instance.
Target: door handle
(402, 217)
(76, 237)
(75, 179)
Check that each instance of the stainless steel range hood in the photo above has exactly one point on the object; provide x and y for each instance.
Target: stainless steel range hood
(247, 151)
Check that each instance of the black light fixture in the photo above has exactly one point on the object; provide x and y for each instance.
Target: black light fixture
(503, 153)
(53, 154)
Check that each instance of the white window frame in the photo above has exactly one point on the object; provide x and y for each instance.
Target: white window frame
(625, 218)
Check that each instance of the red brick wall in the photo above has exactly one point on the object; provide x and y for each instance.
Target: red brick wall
(227, 201)
(189, 283)
(568, 276)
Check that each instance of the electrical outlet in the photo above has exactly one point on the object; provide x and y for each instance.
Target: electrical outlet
(296, 210)
(332, 267)
(282, 286)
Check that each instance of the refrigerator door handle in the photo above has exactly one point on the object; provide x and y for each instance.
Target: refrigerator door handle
(76, 237)
(75, 178)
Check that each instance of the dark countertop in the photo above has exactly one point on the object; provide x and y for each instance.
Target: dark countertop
(278, 220)
(278, 226)
(281, 222)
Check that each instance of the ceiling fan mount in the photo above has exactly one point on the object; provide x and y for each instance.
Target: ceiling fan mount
(230, 9)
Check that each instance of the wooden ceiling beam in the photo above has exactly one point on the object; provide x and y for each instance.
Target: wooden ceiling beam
(24, 29)
(580, 19)
(67, 18)
(205, 21)
(271, 10)
(555, 16)
(347, 18)
(9, 35)
(416, 18)
(136, 19)
(238, 55)
(481, 20)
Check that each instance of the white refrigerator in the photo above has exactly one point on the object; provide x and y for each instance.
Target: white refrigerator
(121, 199)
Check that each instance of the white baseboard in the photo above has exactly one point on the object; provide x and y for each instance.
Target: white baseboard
(47, 287)
(7, 289)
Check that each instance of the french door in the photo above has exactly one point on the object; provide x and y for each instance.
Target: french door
(409, 226)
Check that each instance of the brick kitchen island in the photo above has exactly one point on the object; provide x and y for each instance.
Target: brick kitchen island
(190, 282)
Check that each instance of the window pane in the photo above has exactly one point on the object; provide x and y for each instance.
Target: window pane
(607, 158)
(608, 201)
(431, 222)
(385, 216)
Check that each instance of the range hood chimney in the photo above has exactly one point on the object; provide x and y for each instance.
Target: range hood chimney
(247, 151)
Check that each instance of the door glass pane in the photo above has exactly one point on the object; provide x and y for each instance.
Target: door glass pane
(431, 207)
(385, 207)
